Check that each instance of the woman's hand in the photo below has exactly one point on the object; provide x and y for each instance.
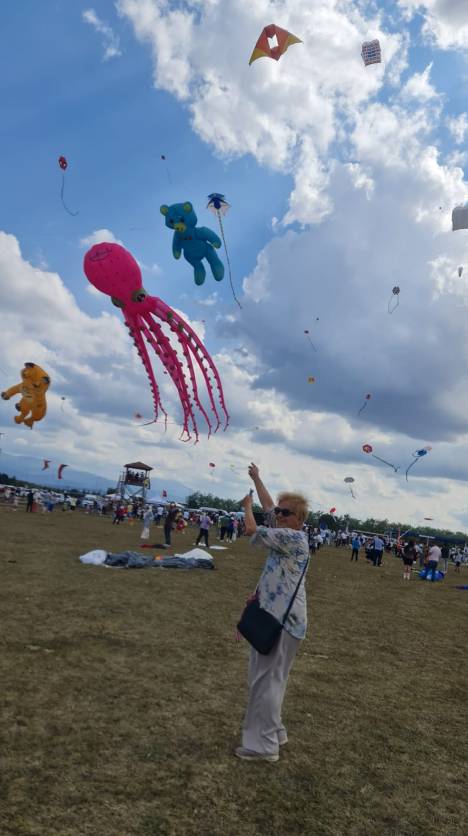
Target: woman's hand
(254, 472)
(247, 501)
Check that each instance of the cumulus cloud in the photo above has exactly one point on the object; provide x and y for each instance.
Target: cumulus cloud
(287, 114)
(419, 87)
(458, 126)
(445, 21)
(99, 236)
(371, 174)
(110, 41)
(369, 208)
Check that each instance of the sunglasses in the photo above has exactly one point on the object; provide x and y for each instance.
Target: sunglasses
(284, 512)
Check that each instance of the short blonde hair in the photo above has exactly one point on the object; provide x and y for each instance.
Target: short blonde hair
(298, 503)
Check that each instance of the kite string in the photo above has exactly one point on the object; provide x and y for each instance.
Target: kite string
(385, 462)
(363, 407)
(62, 190)
(227, 256)
(410, 466)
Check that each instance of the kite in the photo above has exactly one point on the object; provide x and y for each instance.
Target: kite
(219, 206)
(428, 518)
(138, 416)
(367, 448)
(113, 270)
(46, 464)
(394, 300)
(417, 455)
(349, 481)
(311, 379)
(63, 398)
(33, 387)
(195, 242)
(332, 511)
(460, 217)
(366, 400)
(371, 52)
(60, 470)
(212, 464)
(460, 272)
(164, 494)
(64, 165)
(273, 43)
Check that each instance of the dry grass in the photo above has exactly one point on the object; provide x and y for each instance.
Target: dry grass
(123, 691)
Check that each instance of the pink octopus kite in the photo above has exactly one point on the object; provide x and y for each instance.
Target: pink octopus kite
(114, 271)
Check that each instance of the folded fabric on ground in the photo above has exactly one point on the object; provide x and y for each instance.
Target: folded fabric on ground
(95, 558)
(129, 560)
(184, 562)
(195, 554)
(194, 559)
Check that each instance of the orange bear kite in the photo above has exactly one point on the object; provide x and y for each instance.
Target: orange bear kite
(33, 387)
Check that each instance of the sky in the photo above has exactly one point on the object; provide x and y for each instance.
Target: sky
(341, 179)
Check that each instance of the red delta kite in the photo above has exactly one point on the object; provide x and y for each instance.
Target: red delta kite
(281, 38)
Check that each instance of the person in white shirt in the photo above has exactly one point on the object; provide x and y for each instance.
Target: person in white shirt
(433, 558)
(147, 520)
(377, 551)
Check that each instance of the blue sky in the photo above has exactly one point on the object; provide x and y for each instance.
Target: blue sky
(59, 97)
(335, 174)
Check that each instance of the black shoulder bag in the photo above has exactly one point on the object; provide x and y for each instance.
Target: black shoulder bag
(261, 629)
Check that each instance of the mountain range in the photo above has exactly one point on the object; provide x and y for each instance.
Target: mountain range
(29, 469)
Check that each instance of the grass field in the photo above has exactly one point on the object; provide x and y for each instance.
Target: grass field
(123, 692)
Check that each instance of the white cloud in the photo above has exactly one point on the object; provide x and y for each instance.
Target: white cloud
(419, 87)
(110, 41)
(287, 114)
(445, 21)
(99, 236)
(458, 126)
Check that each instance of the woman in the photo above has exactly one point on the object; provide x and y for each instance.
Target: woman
(205, 524)
(169, 522)
(263, 731)
(409, 556)
(147, 520)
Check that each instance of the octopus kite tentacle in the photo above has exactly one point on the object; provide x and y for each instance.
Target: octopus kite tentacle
(171, 362)
(159, 333)
(114, 271)
(134, 330)
(167, 314)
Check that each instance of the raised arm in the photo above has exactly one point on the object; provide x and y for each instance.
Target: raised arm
(249, 519)
(265, 499)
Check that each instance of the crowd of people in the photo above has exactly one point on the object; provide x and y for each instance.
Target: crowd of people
(227, 527)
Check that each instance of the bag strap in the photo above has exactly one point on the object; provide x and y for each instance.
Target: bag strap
(295, 593)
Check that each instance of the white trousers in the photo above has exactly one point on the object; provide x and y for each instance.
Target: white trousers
(268, 677)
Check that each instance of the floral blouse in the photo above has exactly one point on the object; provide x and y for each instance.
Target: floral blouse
(289, 553)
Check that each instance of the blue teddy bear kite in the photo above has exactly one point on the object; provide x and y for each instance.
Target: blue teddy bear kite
(195, 242)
